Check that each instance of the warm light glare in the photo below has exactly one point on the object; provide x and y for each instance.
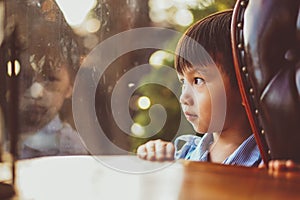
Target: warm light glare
(160, 4)
(158, 57)
(191, 3)
(92, 25)
(75, 11)
(17, 67)
(158, 16)
(137, 129)
(144, 102)
(9, 68)
(130, 85)
(184, 17)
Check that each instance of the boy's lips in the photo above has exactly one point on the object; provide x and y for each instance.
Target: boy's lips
(34, 109)
(190, 116)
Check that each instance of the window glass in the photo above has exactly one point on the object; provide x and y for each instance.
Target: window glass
(92, 76)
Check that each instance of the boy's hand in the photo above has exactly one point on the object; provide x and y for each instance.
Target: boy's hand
(283, 165)
(156, 150)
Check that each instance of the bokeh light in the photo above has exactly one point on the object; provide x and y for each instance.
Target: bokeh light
(158, 58)
(137, 129)
(184, 17)
(160, 4)
(144, 102)
(158, 16)
(92, 25)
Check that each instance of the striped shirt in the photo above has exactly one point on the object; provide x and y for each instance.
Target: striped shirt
(197, 148)
(57, 138)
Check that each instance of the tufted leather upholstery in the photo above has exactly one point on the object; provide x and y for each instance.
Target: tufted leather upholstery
(266, 49)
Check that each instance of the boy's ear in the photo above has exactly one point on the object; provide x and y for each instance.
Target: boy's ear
(69, 92)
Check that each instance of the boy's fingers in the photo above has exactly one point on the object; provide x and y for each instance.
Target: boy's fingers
(279, 165)
(156, 150)
(142, 152)
(170, 150)
(283, 165)
(160, 148)
(150, 148)
(291, 165)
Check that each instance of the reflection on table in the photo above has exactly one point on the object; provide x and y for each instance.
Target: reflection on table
(127, 177)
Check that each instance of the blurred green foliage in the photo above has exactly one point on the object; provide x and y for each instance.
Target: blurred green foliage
(176, 124)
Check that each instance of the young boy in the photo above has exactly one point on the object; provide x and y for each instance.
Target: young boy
(234, 142)
(49, 58)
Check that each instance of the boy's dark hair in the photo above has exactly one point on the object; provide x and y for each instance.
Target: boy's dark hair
(40, 32)
(55, 41)
(213, 34)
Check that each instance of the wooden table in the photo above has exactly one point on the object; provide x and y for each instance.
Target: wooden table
(89, 178)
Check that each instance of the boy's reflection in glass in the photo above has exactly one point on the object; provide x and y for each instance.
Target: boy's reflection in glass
(49, 64)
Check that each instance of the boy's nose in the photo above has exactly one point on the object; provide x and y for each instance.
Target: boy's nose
(186, 97)
(36, 90)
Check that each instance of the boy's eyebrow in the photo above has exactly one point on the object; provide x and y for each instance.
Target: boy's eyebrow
(202, 70)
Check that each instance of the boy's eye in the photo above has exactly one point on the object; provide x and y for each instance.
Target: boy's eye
(51, 78)
(198, 81)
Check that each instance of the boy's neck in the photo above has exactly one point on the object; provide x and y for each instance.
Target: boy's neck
(232, 136)
(226, 142)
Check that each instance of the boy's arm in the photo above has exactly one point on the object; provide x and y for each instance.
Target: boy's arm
(156, 150)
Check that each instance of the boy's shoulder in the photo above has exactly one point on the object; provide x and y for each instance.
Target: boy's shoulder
(186, 144)
(188, 139)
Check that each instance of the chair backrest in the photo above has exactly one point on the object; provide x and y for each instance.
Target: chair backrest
(266, 49)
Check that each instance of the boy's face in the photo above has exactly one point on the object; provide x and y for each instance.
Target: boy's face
(200, 91)
(43, 89)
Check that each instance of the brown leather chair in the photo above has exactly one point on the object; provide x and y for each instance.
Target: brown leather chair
(266, 49)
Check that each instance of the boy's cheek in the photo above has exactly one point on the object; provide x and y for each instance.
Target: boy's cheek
(62, 89)
(68, 92)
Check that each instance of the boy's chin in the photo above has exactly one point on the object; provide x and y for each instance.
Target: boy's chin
(199, 129)
(202, 130)
(211, 128)
(24, 128)
(32, 124)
